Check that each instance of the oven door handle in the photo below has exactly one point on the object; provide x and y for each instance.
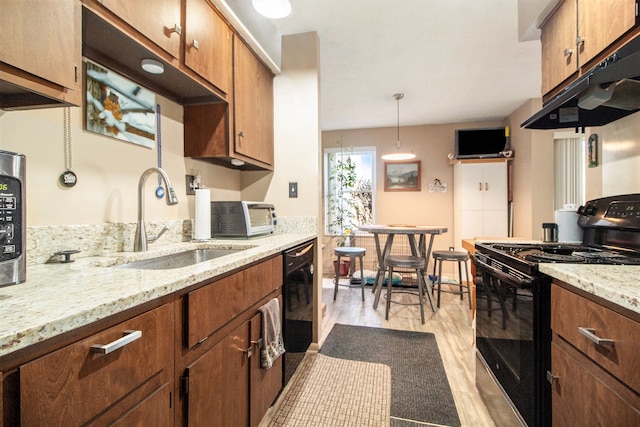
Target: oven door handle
(500, 275)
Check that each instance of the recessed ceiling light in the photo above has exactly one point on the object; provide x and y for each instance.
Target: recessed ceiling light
(273, 9)
(152, 66)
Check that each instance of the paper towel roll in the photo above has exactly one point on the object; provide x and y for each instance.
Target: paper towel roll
(202, 226)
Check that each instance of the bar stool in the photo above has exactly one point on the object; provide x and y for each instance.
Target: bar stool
(407, 262)
(351, 252)
(454, 256)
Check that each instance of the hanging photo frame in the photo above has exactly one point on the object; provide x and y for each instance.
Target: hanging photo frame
(592, 151)
(119, 108)
(402, 176)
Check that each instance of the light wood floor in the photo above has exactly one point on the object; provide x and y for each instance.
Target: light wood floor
(452, 326)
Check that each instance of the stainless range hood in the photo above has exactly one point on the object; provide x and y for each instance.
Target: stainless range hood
(608, 92)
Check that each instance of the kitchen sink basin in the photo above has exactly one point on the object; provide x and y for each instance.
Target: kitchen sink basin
(178, 260)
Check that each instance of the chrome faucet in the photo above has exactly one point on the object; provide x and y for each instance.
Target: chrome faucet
(140, 241)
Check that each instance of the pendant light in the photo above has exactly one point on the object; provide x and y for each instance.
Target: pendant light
(399, 154)
(274, 9)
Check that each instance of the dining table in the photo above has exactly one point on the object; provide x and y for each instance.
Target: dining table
(419, 247)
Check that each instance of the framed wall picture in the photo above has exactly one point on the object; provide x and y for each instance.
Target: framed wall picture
(402, 176)
(592, 151)
(119, 108)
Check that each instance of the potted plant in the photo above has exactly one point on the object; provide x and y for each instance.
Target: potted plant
(340, 212)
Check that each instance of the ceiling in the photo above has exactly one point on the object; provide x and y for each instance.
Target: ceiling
(454, 60)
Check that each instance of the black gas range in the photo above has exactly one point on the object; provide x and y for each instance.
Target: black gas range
(513, 319)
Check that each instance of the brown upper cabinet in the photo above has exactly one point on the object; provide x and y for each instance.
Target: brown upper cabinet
(243, 129)
(160, 21)
(579, 31)
(253, 106)
(208, 44)
(30, 75)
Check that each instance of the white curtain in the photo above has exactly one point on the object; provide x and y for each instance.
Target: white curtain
(569, 171)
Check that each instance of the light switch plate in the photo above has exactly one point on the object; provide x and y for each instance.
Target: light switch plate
(293, 190)
(190, 181)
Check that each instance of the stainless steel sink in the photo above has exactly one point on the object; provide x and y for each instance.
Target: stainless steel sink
(178, 260)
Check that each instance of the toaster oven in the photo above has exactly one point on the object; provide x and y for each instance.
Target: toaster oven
(242, 218)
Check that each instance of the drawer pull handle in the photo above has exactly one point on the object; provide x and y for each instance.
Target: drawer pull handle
(129, 337)
(590, 333)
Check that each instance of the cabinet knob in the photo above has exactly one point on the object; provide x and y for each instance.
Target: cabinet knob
(568, 51)
(195, 44)
(175, 29)
(479, 186)
(486, 186)
(551, 379)
(241, 134)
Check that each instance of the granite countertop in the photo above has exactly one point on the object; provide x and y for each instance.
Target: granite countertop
(57, 298)
(619, 284)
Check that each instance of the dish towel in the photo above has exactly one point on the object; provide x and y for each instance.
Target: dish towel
(272, 345)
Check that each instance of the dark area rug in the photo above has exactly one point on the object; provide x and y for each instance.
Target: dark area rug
(419, 386)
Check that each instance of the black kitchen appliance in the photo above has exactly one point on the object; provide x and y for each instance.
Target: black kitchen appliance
(606, 93)
(298, 305)
(513, 320)
(13, 259)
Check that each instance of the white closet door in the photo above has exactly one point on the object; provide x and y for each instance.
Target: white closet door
(472, 184)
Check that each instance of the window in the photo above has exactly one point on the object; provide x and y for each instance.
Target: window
(349, 188)
(569, 171)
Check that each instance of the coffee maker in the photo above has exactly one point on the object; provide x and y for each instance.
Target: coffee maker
(13, 259)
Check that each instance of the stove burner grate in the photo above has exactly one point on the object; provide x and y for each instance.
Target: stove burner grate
(550, 257)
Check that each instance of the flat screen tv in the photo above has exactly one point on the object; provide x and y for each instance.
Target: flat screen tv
(480, 143)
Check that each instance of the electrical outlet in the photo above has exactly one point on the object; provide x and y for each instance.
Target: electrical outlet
(293, 190)
(191, 180)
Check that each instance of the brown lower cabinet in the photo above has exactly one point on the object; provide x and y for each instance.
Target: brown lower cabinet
(79, 385)
(160, 376)
(226, 386)
(218, 362)
(593, 384)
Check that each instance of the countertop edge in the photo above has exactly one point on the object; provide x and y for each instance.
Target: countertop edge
(618, 284)
(59, 298)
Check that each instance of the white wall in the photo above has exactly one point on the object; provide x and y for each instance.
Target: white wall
(532, 174)
(297, 135)
(621, 156)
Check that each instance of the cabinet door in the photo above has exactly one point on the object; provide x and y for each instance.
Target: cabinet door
(265, 383)
(558, 38)
(472, 184)
(152, 411)
(218, 383)
(581, 395)
(495, 223)
(253, 105)
(33, 39)
(471, 224)
(494, 177)
(157, 20)
(77, 385)
(601, 22)
(208, 49)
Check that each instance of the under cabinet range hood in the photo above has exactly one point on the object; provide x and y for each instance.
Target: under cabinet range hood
(606, 93)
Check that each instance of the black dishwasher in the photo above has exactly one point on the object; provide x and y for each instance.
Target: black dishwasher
(297, 324)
